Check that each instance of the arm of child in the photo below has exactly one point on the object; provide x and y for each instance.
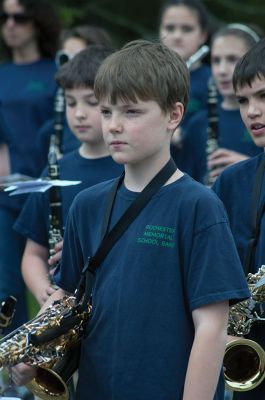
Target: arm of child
(222, 158)
(35, 271)
(23, 373)
(207, 352)
(4, 160)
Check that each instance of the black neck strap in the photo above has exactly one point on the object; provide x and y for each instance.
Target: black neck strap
(256, 215)
(110, 238)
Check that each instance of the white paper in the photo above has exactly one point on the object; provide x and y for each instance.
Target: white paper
(10, 398)
(37, 185)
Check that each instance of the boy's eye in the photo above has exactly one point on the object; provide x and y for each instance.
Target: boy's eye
(132, 111)
(262, 95)
(92, 102)
(70, 103)
(241, 100)
(105, 112)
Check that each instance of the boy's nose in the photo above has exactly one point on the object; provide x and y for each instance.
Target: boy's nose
(253, 110)
(80, 113)
(115, 125)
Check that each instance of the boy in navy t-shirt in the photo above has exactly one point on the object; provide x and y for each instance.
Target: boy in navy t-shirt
(237, 185)
(90, 164)
(160, 299)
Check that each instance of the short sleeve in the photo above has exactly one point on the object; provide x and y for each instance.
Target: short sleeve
(215, 272)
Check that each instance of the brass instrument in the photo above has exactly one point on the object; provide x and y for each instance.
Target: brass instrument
(244, 359)
(48, 341)
(7, 312)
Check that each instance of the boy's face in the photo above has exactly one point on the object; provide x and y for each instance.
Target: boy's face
(136, 132)
(252, 109)
(83, 115)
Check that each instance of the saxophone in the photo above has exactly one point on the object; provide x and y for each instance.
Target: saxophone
(49, 342)
(244, 359)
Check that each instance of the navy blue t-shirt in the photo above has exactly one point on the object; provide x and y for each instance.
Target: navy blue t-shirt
(176, 256)
(232, 135)
(4, 136)
(198, 96)
(235, 187)
(26, 102)
(33, 221)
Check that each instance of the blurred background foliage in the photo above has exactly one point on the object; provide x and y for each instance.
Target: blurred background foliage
(127, 20)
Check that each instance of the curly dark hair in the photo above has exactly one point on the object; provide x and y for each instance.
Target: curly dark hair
(47, 23)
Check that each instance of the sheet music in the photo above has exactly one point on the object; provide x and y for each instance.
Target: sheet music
(36, 185)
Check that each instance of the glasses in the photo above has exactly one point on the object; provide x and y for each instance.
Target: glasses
(18, 18)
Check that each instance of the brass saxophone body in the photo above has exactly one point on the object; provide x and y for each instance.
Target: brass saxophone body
(244, 359)
(46, 341)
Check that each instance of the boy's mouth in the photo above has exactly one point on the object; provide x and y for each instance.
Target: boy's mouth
(257, 128)
(81, 128)
(117, 144)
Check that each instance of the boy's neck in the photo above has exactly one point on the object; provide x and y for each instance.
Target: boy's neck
(96, 151)
(137, 176)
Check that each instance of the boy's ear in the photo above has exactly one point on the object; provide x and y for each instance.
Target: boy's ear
(175, 116)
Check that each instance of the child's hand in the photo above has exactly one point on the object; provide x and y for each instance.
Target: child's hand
(22, 374)
(222, 158)
(58, 254)
(45, 294)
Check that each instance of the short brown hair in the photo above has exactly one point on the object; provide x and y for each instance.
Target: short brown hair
(143, 70)
(80, 71)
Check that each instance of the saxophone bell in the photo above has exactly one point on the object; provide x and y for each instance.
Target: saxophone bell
(50, 382)
(244, 365)
(244, 359)
(51, 341)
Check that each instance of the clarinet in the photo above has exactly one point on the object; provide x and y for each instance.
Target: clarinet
(55, 152)
(59, 108)
(58, 125)
(55, 201)
(212, 129)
